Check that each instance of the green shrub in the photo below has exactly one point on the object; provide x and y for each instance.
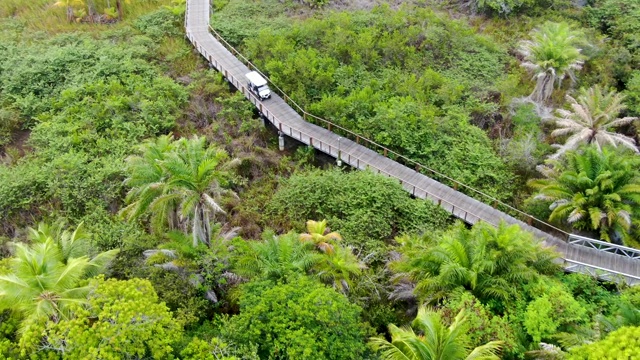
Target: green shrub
(367, 209)
(327, 326)
(633, 94)
(623, 343)
(159, 24)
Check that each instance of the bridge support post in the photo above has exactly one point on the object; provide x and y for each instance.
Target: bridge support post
(339, 158)
(280, 141)
(263, 117)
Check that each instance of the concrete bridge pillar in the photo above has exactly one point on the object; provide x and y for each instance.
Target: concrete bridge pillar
(280, 141)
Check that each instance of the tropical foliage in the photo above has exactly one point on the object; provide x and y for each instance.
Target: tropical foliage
(117, 156)
(181, 182)
(318, 235)
(368, 209)
(122, 319)
(552, 54)
(622, 343)
(592, 190)
(436, 341)
(279, 258)
(45, 279)
(485, 261)
(417, 87)
(592, 120)
(327, 325)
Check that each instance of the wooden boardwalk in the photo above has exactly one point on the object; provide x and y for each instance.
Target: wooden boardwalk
(579, 254)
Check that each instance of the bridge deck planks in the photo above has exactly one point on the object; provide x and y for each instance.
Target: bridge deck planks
(358, 156)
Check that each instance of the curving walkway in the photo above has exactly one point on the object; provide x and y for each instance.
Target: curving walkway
(579, 254)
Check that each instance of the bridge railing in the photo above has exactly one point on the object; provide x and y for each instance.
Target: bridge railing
(604, 246)
(600, 272)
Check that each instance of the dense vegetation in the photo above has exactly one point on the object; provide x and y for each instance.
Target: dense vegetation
(146, 213)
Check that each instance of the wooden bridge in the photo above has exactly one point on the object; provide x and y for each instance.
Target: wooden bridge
(579, 254)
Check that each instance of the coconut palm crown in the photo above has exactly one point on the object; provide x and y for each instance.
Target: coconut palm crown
(551, 55)
(596, 190)
(488, 262)
(278, 257)
(180, 183)
(592, 120)
(319, 236)
(45, 277)
(435, 341)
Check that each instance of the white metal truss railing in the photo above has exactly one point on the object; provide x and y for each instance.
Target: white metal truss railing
(605, 246)
(600, 273)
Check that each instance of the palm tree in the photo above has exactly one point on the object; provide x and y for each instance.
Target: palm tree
(147, 180)
(275, 258)
(183, 179)
(41, 284)
(319, 236)
(435, 341)
(340, 264)
(591, 119)
(338, 268)
(197, 177)
(551, 55)
(489, 262)
(72, 245)
(278, 257)
(593, 190)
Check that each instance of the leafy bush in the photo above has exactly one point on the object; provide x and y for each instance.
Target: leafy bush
(32, 74)
(481, 324)
(552, 313)
(367, 209)
(216, 349)
(620, 20)
(231, 17)
(91, 102)
(623, 343)
(504, 7)
(158, 24)
(633, 93)
(124, 319)
(327, 326)
(9, 122)
(181, 297)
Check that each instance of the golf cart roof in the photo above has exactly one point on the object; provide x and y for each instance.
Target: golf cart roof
(256, 79)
